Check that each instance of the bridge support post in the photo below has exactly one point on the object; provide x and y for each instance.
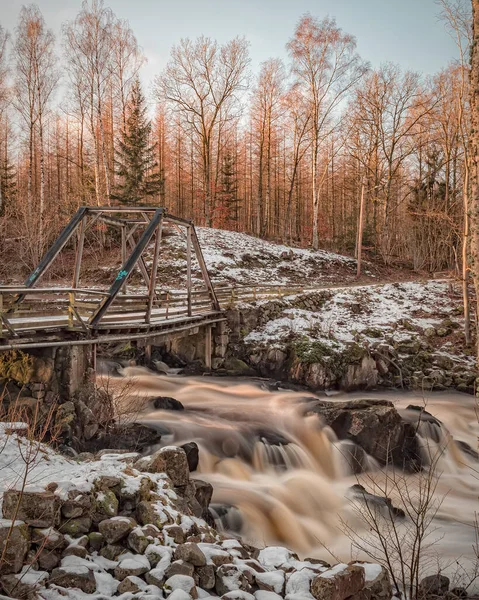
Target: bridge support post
(208, 347)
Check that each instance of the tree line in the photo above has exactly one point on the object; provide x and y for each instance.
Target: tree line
(284, 154)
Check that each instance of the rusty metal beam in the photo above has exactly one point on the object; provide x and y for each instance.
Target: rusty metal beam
(128, 267)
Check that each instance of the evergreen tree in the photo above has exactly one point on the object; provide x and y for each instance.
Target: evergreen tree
(135, 157)
(8, 183)
(229, 190)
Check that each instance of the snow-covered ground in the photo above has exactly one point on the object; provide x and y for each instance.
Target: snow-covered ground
(398, 310)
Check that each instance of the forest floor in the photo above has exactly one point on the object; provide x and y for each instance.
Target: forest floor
(232, 258)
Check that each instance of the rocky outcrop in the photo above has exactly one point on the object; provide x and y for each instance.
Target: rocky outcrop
(375, 426)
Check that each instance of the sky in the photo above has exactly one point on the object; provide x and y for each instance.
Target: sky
(407, 32)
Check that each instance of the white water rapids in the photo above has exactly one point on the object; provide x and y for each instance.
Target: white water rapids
(285, 473)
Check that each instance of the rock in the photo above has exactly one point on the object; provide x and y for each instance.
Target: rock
(74, 577)
(230, 578)
(14, 546)
(190, 553)
(338, 583)
(181, 582)
(434, 585)
(112, 551)
(138, 541)
(48, 539)
(180, 567)
(48, 560)
(271, 581)
(166, 403)
(144, 464)
(116, 528)
(96, 541)
(176, 533)
(206, 577)
(375, 426)
(175, 464)
(389, 510)
(430, 332)
(78, 504)
(377, 581)
(37, 509)
(105, 505)
(131, 585)
(237, 367)
(192, 455)
(23, 585)
(76, 527)
(360, 375)
(238, 595)
(75, 550)
(146, 514)
(131, 565)
(203, 495)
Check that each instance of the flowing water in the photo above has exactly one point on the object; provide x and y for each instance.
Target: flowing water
(281, 477)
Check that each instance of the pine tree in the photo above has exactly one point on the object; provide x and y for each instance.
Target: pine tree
(8, 183)
(229, 190)
(135, 156)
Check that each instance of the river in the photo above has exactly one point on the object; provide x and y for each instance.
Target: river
(285, 473)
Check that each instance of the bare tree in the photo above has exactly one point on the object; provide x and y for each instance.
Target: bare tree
(201, 81)
(36, 79)
(89, 46)
(326, 67)
(474, 146)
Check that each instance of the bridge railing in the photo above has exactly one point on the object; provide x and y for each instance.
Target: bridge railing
(26, 309)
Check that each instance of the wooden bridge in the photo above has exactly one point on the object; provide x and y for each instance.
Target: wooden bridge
(32, 316)
(36, 316)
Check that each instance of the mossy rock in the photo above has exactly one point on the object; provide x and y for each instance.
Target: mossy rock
(372, 332)
(17, 366)
(106, 503)
(311, 352)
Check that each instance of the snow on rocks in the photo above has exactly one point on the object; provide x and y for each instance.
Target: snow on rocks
(112, 556)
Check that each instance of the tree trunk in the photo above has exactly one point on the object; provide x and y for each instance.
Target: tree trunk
(474, 147)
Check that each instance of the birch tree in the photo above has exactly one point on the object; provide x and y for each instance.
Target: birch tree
(201, 81)
(327, 67)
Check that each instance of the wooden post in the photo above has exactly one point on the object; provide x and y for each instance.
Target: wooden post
(208, 349)
(148, 352)
(93, 358)
(79, 254)
(359, 242)
(71, 302)
(154, 272)
(188, 268)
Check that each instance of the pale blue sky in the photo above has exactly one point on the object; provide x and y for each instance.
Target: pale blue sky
(407, 32)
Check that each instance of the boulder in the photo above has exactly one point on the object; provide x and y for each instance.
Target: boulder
(76, 527)
(166, 403)
(230, 578)
(48, 539)
(115, 529)
(181, 582)
(139, 540)
(23, 585)
(376, 581)
(206, 577)
(14, 546)
(48, 560)
(375, 426)
(131, 565)
(190, 553)
(175, 464)
(176, 533)
(96, 541)
(338, 583)
(192, 455)
(77, 505)
(112, 551)
(180, 567)
(434, 585)
(131, 585)
(74, 577)
(105, 505)
(203, 495)
(37, 509)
